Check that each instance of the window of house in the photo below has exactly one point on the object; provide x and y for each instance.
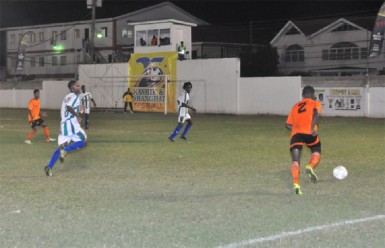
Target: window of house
(54, 37)
(41, 61)
(77, 33)
(63, 35)
(325, 54)
(104, 31)
(63, 60)
(153, 34)
(364, 52)
(141, 38)
(144, 37)
(41, 36)
(355, 53)
(13, 39)
(54, 61)
(126, 33)
(33, 37)
(78, 58)
(164, 36)
(344, 51)
(33, 61)
(295, 53)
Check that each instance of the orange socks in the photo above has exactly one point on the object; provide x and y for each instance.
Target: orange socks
(295, 172)
(46, 133)
(30, 135)
(314, 159)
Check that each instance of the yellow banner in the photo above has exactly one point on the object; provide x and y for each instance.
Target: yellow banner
(147, 84)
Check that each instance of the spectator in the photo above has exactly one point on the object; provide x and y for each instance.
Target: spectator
(154, 41)
(181, 51)
(142, 42)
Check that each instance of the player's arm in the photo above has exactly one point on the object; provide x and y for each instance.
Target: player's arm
(314, 122)
(289, 122)
(289, 126)
(72, 111)
(93, 101)
(188, 106)
(30, 114)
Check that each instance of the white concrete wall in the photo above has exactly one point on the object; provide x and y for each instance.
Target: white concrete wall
(215, 84)
(217, 88)
(376, 102)
(268, 95)
(106, 82)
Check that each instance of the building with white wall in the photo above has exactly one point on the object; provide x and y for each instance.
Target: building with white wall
(55, 50)
(327, 48)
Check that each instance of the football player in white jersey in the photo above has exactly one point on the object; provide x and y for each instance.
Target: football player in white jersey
(72, 136)
(86, 98)
(183, 114)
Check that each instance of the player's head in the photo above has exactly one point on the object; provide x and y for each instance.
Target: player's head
(308, 92)
(36, 93)
(83, 88)
(74, 86)
(187, 86)
(128, 89)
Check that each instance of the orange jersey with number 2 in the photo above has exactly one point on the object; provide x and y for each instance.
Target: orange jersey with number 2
(301, 116)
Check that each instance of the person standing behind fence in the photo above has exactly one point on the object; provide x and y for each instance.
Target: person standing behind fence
(127, 98)
(302, 123)
(35, 119)
(181, 51)
(86, 98)
(183, 115)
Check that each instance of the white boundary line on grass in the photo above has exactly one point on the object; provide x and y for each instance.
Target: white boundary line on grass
(300, 231)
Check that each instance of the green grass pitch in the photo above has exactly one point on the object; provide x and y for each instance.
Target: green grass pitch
(131, 187)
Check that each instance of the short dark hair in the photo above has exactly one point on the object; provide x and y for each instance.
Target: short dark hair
(36, 90)
(308, 90)
(187, 84)
(71, 83)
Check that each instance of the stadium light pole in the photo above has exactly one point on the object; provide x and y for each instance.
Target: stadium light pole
(93, 31)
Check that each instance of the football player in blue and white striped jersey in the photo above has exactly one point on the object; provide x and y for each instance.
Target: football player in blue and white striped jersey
(183, 114)
(86, 98)
(72, 136)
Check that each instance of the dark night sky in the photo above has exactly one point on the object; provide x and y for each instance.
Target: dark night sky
(30, 12)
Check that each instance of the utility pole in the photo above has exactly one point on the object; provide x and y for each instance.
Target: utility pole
(92, 4)
(92, 50)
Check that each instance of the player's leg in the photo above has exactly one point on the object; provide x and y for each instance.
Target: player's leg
(62, 141)
(80, 141)
(131, 108)
(296, 144)
(125, 107)
(187, 127)
(86, 118)
(314, 143)
(32, 133)
(181, 120)
(44, 125)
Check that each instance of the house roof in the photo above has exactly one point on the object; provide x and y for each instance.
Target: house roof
(162, 11)
(312, 27)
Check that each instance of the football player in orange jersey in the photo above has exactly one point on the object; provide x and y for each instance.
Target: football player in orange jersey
(35, 119)
(302, 123)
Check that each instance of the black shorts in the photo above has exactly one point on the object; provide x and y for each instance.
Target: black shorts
(37, 122)
(313, 142)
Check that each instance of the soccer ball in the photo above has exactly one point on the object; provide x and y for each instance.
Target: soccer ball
(340, 172)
